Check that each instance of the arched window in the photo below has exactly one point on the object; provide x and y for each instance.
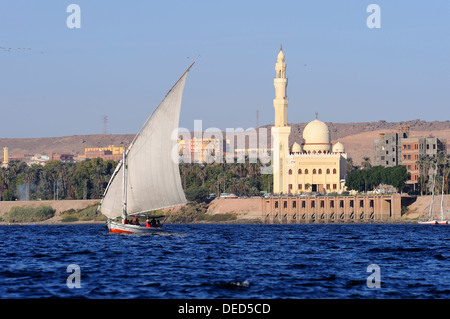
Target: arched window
(299, 170)
(290, 172)
(320, 171)
(314, 171)
(334, 171)
(306, 171)
(328, 171)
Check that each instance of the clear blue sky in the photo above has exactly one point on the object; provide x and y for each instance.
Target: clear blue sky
(127, 54)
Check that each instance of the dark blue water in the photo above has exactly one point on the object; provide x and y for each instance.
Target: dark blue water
(226, 261)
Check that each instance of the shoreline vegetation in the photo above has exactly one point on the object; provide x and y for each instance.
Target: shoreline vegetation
(220, 210)
(72, 191)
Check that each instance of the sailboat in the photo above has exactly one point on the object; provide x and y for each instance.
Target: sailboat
(442, 221)
(148, 177)
(430, 220)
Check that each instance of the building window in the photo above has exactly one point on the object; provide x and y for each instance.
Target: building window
(328, 186)
(361, 203)
(313, 204)
(299, 170)
(290, 172)
(332, 203)
(341, 204)
(306, 171)
(320, 171)
(334, 186)
(334, 171)
(322, 203)
(290, 187)
(314, 171)
(276, 204)
(351, 203)
(303, 204)
(371, 203)
(328, 171)
(300, 186)
(294, 204)
(285, 204)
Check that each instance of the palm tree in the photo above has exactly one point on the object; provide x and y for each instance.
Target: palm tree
(202, 175)
(421, 166)
(427, 166)
(184, 171)
(447, 174)
(29, 176)
(365, 164)
(222, 180)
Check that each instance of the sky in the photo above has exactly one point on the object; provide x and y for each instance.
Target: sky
(61, 81)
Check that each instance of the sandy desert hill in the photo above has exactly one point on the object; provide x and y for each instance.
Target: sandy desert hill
(358, 138)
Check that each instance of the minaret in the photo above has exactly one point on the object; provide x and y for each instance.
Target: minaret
(281, 130)
(5, 155)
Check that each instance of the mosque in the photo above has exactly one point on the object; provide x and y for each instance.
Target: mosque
(314, 166)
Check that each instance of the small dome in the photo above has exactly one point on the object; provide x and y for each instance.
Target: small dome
(296, 148)
(338, 148)
(317, 137)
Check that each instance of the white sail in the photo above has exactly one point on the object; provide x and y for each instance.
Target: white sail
(153, 176)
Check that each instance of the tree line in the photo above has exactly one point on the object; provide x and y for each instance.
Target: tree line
(55, 180)
(88, 179)
(367, 178)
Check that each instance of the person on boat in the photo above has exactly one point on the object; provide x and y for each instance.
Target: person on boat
(147, 224)
(135, 220)
(153, 222)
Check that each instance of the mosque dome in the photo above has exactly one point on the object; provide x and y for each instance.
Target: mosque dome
(296, 148)
(317, 137)
(338, 148)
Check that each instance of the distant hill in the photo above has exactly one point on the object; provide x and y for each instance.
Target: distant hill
(357, 138)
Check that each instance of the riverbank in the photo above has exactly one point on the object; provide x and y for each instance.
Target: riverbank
(220, 210)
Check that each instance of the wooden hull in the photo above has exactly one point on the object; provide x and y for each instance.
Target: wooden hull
(130, 229)
(429, 222)
(434, 222)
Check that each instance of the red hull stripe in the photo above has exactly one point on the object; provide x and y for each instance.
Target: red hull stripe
(114, 230)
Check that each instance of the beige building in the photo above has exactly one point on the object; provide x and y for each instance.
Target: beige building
(314, 166)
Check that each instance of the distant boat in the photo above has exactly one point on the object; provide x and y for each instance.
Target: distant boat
(147, 178)
(442, 221)
(431, 220)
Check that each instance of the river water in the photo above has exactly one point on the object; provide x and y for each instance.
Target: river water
(226, 261)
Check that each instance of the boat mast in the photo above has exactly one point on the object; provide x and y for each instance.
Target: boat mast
(124, 199)
(442, 199)
(432, 193)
